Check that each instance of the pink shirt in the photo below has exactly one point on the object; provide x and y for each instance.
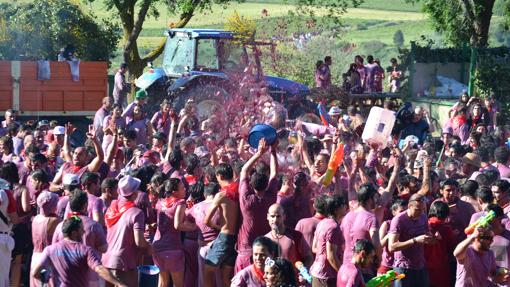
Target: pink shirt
(328, 230)
(93, 237)
(307, 227)
(412, 257)
(504, 170)
(254, 213)
(69, 259)
(198, 212)
(356, 225)
(296, 207)
(40, 235)
(349, 276)
(167, 237)
(122, 251)
(291, 245)
(474, 271)
(246, 278)
(95, 205)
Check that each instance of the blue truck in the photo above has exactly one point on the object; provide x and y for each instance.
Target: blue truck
(198, 64)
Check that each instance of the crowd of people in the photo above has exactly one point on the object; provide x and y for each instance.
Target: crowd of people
(192, 197)
(361, 78)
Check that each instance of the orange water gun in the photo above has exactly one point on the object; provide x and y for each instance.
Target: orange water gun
(336, 160)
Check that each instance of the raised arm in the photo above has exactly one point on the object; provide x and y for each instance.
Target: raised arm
(249, 164)
(392, 182)
(98, 160)
(66, 149)
(112, 149)
(274, 161)
(426, 184)
(171, 140)
(461, 249)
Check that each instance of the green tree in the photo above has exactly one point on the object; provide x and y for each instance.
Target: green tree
(398, 38)
(462, 21)
(39, 29)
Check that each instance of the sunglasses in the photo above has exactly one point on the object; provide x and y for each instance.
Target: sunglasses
(488, 238)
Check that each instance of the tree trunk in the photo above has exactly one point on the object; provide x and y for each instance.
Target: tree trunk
(483, 22)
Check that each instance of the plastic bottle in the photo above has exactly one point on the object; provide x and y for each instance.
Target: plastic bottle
(378, 128)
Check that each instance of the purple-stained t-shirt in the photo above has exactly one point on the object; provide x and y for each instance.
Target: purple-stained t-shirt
(198, 212)
(291, 245)
(247, 278)
(407, 228)
(95, 205)
(18, 145)
(140, 126)
(296, 207)
(62, 206)
(504, 170)
(356, 225)
(94, 235)
(328, 230)
(500, 245)
(41, 235)
(161, 124)
(349, 276)
(69, 259)
(459, 216)
(475, 269)
(167, 237)
(307, 227)
(254, 213)
(122, 251)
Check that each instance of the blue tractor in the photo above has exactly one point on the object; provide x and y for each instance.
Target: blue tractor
(199, 64)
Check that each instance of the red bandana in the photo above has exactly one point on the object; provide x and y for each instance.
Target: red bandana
(458, 122)
(319, 216)
(75, 168)
(231, 191)
(258, 273)
(190, 179)
(73, 213)
(169, 201)
(113, 214)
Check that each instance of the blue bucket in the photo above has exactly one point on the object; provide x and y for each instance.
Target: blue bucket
(148, 275)
(260, 131)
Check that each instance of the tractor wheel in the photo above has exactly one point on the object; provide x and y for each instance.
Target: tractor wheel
(207, 98)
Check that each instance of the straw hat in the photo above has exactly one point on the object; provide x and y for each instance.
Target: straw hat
(472, 159)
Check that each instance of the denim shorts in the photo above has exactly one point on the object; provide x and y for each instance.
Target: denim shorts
(222, 251)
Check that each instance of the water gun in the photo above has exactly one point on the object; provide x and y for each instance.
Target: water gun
(335, 161)
(481, 222)
(303, 271)
(324, 115)
(384, 280)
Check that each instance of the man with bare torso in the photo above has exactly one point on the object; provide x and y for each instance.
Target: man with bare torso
(222, 253)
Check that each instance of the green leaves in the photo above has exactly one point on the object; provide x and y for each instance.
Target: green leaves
(38, 30)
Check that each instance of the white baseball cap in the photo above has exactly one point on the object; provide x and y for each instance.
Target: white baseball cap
(59, 130)
(71, 179)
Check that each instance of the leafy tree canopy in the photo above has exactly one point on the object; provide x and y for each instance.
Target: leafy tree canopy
(38, 30)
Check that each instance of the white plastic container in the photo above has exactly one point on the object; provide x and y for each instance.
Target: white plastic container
(378, 128)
